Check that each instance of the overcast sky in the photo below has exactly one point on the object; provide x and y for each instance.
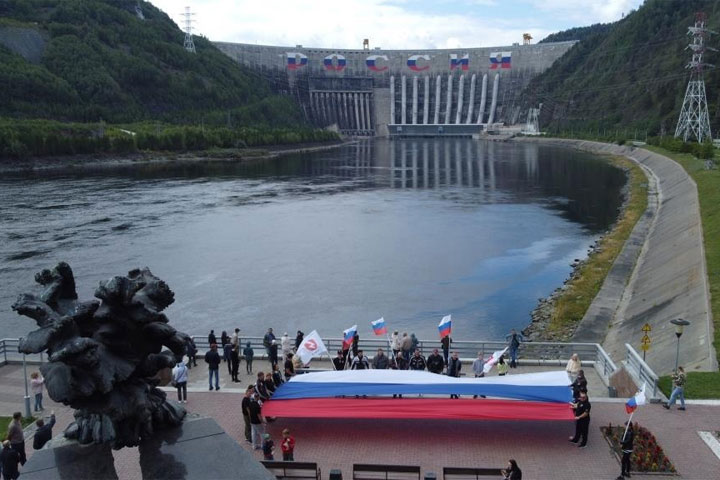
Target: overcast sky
(391, 24)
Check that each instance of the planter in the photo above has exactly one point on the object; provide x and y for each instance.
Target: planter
(648, 456)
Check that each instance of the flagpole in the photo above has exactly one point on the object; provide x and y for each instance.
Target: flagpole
(628, 425)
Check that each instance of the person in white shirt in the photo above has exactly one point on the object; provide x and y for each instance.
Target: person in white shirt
(573, 367)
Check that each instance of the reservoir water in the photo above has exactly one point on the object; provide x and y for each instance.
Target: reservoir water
(410, 230)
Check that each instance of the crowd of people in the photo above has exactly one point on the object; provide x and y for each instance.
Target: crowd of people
(406, 355)
(13, 453)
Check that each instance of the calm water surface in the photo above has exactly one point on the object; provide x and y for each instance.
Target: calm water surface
(409, 230)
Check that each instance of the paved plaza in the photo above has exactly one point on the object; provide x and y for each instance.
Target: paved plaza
(541, 448)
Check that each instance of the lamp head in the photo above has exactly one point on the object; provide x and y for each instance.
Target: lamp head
(679, 325)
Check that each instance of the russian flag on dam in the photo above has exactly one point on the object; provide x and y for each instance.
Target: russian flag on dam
(445, 326)
(331, 394)
(296, 60)
(379, 327)
(371, 63)
(500, 60)
(412, 62)
(463, 62)
(328, 62)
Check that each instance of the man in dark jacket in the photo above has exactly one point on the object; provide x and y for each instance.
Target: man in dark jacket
(9, 459)
(289, 367)
(235, 361)
(454, 367)
(380, 361)
(268, 339)
(298, 339)
(43, 434)
(355, 342)
(627, 448)
(417, 361)
(582, 420)
(227, 354)
(211, 337)
(191, 352)
(339, 361)
(212, 358)
(445, 343)
(273, 353)
(435, 362)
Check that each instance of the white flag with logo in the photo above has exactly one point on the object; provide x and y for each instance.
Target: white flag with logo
(311, 346)
(495, 358)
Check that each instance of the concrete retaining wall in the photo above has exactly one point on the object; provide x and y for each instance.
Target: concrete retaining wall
(669, 278)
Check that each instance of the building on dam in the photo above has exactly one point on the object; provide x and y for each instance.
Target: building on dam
(403, 92)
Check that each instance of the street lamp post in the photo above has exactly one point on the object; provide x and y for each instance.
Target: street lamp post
(679, 325)
(27, 396)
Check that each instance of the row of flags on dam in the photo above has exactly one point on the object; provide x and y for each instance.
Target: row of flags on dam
(313, 346)
(336, 62)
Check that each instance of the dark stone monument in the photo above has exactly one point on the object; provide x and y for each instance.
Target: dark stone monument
(103, 359)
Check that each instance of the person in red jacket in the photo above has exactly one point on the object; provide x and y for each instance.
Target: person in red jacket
(288, 446)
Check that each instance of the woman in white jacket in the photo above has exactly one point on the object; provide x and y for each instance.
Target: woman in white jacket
(396, 343)
(180, 377)
(573, 367)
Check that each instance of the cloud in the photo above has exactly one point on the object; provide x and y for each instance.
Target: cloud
(392, 24)
(586, 12)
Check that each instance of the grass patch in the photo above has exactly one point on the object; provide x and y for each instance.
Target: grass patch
(698, 385)
(570, 306)
(5, 421)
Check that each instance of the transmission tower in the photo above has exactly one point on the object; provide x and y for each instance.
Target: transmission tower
(189, 44)
(694, 120)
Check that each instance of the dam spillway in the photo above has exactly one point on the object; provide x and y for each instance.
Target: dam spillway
(393, 92)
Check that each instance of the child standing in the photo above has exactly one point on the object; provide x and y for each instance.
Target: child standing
(288, 446)
(268, 447)
(36, 383)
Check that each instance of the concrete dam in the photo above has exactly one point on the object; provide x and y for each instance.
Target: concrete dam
(403, 92)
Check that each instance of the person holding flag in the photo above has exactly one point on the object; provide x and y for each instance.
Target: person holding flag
(626, 444)
(494, 358)
(348, 337)
(445, 327)
(311, 347)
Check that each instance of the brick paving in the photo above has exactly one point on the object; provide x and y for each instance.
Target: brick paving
(541, 448)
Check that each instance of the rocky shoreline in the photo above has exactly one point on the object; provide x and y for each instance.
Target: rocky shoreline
(541, 315)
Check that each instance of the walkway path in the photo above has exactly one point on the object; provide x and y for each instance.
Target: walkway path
(541, 448)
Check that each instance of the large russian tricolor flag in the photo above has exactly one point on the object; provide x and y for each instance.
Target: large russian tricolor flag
(331, 394)
(500, 60)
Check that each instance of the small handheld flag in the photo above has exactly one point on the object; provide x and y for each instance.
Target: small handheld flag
(311, 346)
(494, 358)
(379, 327)
(639, 399)
(445, 326)
(348, 336)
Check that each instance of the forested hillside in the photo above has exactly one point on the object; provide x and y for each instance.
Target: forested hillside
(631, 75)
(101, 61)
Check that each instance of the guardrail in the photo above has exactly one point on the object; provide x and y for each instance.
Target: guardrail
(9, 353)
(529, 353)
(641, 372)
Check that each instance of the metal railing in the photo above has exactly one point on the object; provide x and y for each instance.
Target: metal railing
(9, 353)
(529, 353)
(641, 372)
